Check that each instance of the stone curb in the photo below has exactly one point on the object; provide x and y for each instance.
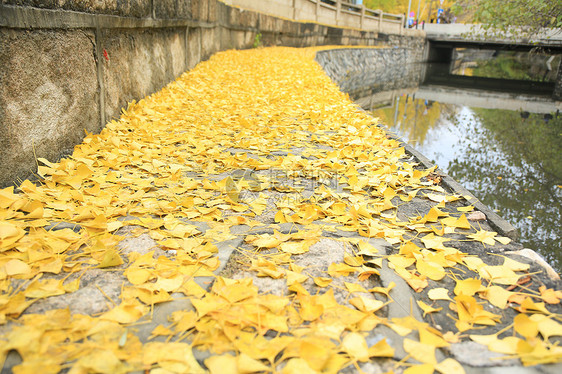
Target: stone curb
(501, 225)
(498, 223)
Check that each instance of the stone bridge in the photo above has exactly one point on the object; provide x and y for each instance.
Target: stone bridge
(475, 35)
(442, 39)
(330, 12)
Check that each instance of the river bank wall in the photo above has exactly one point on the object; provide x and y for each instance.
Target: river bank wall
(362, 72)
(69, 69)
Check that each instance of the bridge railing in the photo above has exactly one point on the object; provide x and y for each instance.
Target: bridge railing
(514, 35)
(329, 12)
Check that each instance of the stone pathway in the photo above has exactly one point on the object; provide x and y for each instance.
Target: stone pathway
(250, 218)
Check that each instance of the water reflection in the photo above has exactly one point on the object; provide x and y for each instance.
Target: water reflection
(511, 160)
(537, 66)
(500, 138)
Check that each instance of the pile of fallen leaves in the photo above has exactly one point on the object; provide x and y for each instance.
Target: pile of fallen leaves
(170, 162)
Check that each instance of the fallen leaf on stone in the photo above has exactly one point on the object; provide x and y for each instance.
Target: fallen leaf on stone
(485, 237)
(439, 294)
(497, 296)
(355, 346)
(423, 353)
(476, 216)
(449, 366)
(468, 286)
(427, 308)
(549, 295)
(471, 313)
(525, 327)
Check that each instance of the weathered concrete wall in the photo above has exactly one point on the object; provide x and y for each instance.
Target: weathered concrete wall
(129, 8)
(138, 63)
(71, 65)
(49, 95)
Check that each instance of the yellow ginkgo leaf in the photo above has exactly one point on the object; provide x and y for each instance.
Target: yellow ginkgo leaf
(528, 306)
(508, 345)
(322, 281)
(44, 288)
(515, 265)
(497, 296)
(547, 326)
(295, 248)
(439, 294)
(298, 366)
(293, 277)
(354, 287)
(467, 286)
(431, 270)
(434, 242)
(127, 312)
(485, 237)
(422, 352)
(449, 366)
(432, 338)
(16, 267)
(427, 308)
(223, 364)
(384, 290)
(138, 275)
(381, 349)
(461, 222)
(315, 354)
(9, 235)
(356, 346)
(549, 295)
(247, 364)
(365, 304)
(499, 274)
(484, 339)
(110, 258)
(525, 327)
(420, 369)
(366, 249)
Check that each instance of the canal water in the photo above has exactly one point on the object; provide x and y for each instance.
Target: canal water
(505, 147)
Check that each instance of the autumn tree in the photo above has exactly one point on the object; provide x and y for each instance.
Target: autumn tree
(401, 7)
(528, 15)
(389, 6)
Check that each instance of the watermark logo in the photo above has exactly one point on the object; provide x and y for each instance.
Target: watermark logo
(245, 185)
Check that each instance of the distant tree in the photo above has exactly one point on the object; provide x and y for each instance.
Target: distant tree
(401, 6)
(528, 15)
(390, 6)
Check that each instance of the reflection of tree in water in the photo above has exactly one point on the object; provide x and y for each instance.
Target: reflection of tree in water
(414, 117)
(514, 165)
(519, 65)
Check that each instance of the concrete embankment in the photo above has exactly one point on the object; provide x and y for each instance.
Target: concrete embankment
(71, 69)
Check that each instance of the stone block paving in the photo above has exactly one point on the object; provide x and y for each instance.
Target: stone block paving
(250, 218)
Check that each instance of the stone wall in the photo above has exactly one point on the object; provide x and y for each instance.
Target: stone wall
(69, 66)
(363, 72)
(357, 68)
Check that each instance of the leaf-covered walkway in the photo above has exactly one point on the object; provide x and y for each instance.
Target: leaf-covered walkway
(250, 218)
